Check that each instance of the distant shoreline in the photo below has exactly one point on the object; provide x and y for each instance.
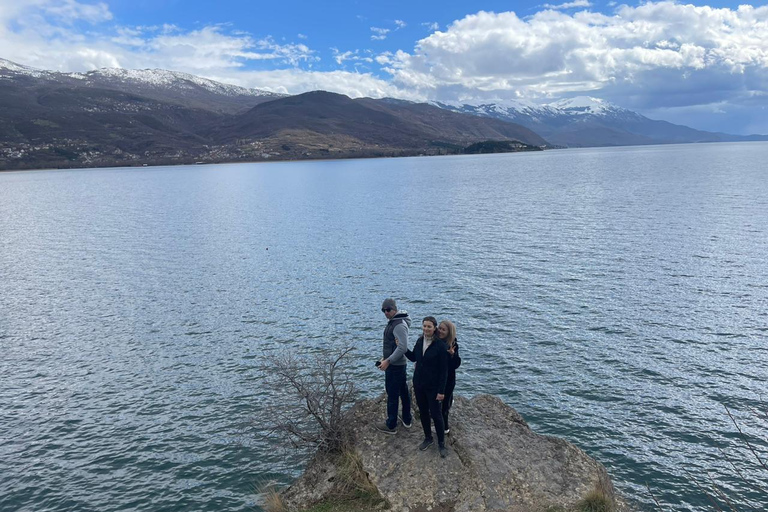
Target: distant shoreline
(358, 157)
(319, 158)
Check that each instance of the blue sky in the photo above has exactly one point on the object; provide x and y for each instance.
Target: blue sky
(704, 64)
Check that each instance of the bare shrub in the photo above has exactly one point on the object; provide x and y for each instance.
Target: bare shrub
(324, 387)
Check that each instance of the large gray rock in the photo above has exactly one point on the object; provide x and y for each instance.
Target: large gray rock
(495, 462)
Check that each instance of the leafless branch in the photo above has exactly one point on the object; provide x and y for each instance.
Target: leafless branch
(323, 387)
(744, 438)
(658, 505)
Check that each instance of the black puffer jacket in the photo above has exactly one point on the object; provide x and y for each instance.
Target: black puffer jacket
(454, 361)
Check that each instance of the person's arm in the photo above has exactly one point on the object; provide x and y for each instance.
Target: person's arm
(455, 358)
(401, 335)
(408, 353)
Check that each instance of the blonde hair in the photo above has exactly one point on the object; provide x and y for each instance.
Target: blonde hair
(451, 340)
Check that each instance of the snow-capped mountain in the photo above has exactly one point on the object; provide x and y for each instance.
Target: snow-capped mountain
(159, 84)
(573, 109)
(586, 121)
(586, 105)
(7, 67)
(161, 78)
(121, 117)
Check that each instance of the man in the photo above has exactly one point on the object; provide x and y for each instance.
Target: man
(393, 364)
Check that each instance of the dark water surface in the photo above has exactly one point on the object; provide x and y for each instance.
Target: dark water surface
(615, 297)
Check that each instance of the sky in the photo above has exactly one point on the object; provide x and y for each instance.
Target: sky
(702, 64)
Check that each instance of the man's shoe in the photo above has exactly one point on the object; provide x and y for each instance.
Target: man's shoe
(426, 444)
(406, 425)
(447, 431)
(382, 426)
(443, 452)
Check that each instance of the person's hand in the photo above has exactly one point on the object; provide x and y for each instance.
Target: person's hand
(384, 364)
(451, 350)
(397, 342)
(440, 397)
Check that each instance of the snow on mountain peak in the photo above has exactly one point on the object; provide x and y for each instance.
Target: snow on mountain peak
(585, 105)
(176, 79)
(18, 68)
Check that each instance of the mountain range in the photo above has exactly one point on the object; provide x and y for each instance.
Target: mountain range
(113, 117)
(120, 117)
(585, 121)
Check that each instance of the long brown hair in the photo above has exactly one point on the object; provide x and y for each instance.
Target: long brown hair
(451, 340)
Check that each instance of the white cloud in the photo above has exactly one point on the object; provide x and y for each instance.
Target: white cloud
(301, 36)
(354, 56)
(295, 81)
(569, 5)
(71, 10)
(379, 34)
(431, 25)
(385, 59)
(400, 24)
(40, 34)
(633, 55)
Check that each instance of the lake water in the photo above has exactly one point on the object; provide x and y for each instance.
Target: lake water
(615, 297)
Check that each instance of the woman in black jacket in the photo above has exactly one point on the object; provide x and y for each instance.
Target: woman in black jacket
(454, 361)
(430, 375)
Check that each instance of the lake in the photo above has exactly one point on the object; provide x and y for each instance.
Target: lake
(616, 297)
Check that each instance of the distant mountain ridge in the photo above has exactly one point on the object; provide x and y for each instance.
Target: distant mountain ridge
(584, 121)
(383, 122)
(123, 117)
(159, 84)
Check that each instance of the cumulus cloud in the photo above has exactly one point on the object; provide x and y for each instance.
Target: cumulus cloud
(431, 25)
(643, 56)
(400, 24)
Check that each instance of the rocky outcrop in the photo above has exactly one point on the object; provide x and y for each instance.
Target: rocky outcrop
(495, 463)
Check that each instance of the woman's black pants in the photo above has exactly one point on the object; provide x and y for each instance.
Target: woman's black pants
(446, 407)
(430, 410)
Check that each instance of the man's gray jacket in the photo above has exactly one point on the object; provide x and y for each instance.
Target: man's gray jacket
(397, 327)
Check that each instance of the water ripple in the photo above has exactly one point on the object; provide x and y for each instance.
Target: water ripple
(615, 297)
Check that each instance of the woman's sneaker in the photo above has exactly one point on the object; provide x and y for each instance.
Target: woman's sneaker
(406, 425)
(426, 444)
(443, 452)
(382, 426)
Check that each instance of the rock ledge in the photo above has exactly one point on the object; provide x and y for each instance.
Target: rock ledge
(495, 463)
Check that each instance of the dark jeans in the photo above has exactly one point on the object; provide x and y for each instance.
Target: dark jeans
(430, 410)
(397, 389)
(446, 407)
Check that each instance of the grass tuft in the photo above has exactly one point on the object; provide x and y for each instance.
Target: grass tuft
(354, 490)
(272, 502)
(352, 478)
(595, 501)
